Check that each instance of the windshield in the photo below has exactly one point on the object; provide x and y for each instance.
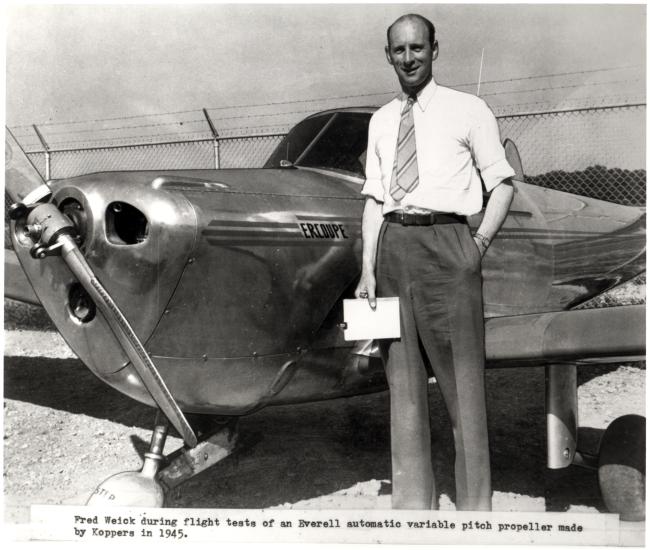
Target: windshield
(334, 141)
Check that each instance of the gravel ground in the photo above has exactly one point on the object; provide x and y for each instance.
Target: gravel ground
(65, 432)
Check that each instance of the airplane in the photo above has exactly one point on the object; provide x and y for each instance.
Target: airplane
(211, 294)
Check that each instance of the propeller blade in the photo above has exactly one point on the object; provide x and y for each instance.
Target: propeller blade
(21, 176)
(128, 339)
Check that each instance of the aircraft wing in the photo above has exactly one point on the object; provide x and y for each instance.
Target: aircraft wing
(587, 335)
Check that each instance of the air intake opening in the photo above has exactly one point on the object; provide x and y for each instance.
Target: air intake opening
(81, 307)
(125, 224)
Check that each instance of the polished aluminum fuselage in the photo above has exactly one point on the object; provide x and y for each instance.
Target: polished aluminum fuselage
(236, 290)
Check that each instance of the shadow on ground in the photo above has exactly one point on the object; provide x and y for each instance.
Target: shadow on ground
(292, 453)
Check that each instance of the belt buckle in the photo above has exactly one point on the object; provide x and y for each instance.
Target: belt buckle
(402, 217)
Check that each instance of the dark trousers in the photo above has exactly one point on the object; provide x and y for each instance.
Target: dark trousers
(436, 272)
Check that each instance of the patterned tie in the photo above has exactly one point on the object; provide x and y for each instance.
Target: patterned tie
(405, 168)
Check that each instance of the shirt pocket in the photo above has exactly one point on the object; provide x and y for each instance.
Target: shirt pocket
(452, 170)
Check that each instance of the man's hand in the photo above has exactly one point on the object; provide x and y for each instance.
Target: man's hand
(480, 244)
(370, 226)
(496, 211)
(366, 289)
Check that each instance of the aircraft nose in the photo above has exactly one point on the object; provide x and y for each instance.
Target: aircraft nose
(136, 240)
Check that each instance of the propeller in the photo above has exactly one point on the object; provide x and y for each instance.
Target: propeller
(54, 234)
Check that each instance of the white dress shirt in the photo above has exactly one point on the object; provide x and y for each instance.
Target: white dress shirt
(456, 136)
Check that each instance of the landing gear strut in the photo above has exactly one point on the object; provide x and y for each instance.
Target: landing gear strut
(621, 457)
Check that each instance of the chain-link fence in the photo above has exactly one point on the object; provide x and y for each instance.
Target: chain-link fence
(230, 152)
(247, 151)
(597, 152)
(166, 156)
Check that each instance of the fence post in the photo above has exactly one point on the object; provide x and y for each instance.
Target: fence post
(47, 152)
(215, 136)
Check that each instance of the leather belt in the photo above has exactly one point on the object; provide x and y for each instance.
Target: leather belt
(432, 218)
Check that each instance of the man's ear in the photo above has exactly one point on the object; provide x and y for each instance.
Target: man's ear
(434, 51)
(390, 61)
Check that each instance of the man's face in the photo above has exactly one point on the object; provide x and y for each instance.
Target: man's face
(410, 53)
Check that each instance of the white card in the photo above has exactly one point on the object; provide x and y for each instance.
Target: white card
(362, 323)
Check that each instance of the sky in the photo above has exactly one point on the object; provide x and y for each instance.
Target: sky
(67, 63)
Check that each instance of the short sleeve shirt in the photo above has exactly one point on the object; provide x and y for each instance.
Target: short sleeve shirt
(457, 138)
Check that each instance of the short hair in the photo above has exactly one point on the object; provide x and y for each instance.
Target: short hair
(428, 24)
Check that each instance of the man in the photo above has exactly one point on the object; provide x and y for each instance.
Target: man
(426, 149)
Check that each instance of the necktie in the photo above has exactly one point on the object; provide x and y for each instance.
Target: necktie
(405, 168)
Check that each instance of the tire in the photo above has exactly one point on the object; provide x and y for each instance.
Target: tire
(621, 467)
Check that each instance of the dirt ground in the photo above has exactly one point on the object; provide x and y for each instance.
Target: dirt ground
(65, 432)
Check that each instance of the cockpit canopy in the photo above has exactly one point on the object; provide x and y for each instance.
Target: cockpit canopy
(333, 140)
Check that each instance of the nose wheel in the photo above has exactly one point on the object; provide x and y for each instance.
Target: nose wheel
(159, 473)
(136, 488)
(621, 467)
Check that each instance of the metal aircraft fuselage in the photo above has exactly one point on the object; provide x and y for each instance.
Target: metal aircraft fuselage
(234, 279)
